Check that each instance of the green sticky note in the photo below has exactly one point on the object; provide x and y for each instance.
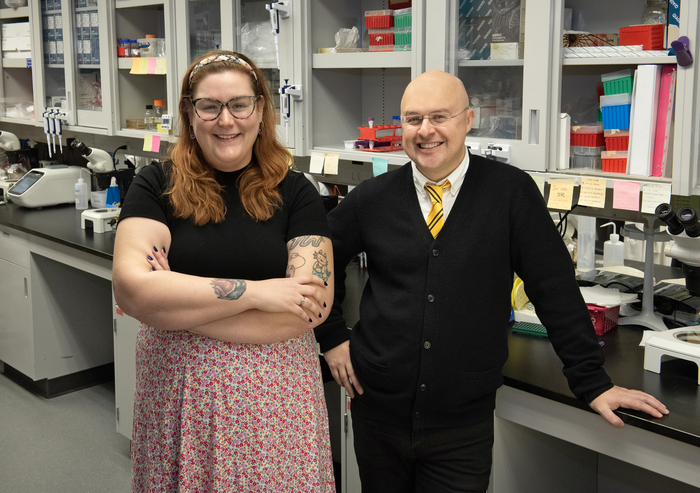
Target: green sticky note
(379, 165)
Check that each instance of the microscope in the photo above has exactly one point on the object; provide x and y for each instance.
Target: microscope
(9, 141)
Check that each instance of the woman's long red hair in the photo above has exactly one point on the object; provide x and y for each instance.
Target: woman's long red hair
(193, 190)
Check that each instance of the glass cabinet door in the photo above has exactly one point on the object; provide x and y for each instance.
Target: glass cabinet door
(75, 61)
(255, 39)
(504, 56)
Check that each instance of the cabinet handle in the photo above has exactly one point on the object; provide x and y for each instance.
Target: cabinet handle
(534, 137)
(26, 291)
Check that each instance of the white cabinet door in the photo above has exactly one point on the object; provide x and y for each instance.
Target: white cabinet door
(16, 335)
(125, 331)
(16, 88)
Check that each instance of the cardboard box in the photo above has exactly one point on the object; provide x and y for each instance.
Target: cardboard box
(507, 51)
(475, 37)
(475, 8)
(17, 54)
(58, 26)
(17, 44)
(86, 25)
(94, 24)
(508, 21)
(14, 29)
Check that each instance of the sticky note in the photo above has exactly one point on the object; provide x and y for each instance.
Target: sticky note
(561, 194)
(626, 195)
(654, 194)
(160, 66)
(330, 165)
(151, 69)
(592, 192)
(540, 181)
(379, 165)
(316, 164)
(151, 143)
(135, 65)
(161, 129)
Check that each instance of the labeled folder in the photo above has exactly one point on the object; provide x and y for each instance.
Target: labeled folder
(645, 102)
(664, 117)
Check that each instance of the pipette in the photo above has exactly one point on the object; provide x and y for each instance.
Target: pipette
(52, 130)
(59, 131)
(46, 131)
(277, 10)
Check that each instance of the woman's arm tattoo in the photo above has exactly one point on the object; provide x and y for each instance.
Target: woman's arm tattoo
(305, 241)
(229, 289)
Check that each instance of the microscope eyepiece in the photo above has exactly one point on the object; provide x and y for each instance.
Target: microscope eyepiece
(666, 213)
(689, 220)
(80, 147)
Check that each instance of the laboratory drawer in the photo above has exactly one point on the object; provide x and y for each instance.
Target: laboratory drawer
(14, 246)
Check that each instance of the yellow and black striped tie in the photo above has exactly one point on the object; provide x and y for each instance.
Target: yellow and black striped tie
(435, 216)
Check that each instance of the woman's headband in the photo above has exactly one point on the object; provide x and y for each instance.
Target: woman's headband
(223, 58)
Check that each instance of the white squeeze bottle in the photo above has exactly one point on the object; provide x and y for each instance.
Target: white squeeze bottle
(81, 195)
(613, 249)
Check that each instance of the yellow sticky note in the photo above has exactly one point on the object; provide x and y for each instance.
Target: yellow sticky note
(162, 130)
(143, 66)
(626, 195)
(561, 194)
(135, 64)
(654, 194)
(330, 164)
(160, 66)
(592, 192)
(148, 143)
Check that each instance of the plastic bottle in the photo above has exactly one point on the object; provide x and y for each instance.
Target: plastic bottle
(396, 120)
(113, 199)
(613, 249)
(158, 110)
(123, 49)
(135, 53)
(370, 121)
(149, 119)
(586, 243)
(81, 195)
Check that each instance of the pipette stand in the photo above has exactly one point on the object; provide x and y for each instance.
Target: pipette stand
(647, 318)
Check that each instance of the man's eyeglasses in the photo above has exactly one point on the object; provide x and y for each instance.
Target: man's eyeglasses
(209, 109)
(436, 119)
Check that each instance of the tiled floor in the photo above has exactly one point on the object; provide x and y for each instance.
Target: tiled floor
(65, 444)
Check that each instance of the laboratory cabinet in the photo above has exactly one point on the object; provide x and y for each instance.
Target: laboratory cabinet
(73, 62)
(55, 323)
(17, 88)
(245, 26)
(125, 332)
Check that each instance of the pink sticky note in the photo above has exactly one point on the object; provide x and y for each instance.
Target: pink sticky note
(152, 65)
(626, 195)
(155, 144)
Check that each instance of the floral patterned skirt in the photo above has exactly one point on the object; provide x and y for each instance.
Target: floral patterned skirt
(216, 416)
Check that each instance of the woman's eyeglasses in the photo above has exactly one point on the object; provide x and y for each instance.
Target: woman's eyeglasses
(209, 109)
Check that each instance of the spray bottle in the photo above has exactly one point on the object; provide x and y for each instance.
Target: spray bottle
(613, 249)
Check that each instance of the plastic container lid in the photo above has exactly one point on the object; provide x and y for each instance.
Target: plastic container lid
(149, 106)
(614, 155)
(620, 74)
(589, 128)
(402, 11)
(587, 151)
(370, 13)
(149, 36)
(159, 102)
(616, 100)
(616, 133)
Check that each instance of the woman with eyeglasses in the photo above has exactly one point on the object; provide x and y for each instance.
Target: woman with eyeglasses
(216, 254)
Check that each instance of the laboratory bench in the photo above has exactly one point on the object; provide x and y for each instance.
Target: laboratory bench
(55, 300)
(544, 436)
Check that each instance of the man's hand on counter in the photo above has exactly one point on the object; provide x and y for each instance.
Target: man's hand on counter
(338, 360)
(618, 397)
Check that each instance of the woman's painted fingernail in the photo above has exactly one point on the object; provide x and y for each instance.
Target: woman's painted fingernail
(325, 283)
(155, 249)
(320, 315)
(324, 304)
(310, 320)
(164, 250)
(153, 268)
(149, 257)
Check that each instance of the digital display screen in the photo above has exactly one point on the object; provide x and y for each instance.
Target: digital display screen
(25, 182)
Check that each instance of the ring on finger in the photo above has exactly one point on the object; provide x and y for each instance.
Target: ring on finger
(303, 300)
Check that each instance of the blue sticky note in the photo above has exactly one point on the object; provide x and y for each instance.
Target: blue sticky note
(379, 165)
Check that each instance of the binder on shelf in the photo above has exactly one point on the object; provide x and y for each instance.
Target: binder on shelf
(664, 117)
(645, 102)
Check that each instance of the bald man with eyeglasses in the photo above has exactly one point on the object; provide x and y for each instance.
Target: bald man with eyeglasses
(445, 234)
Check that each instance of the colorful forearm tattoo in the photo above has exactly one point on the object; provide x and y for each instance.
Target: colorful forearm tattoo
(229, 289)
(296, 260)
